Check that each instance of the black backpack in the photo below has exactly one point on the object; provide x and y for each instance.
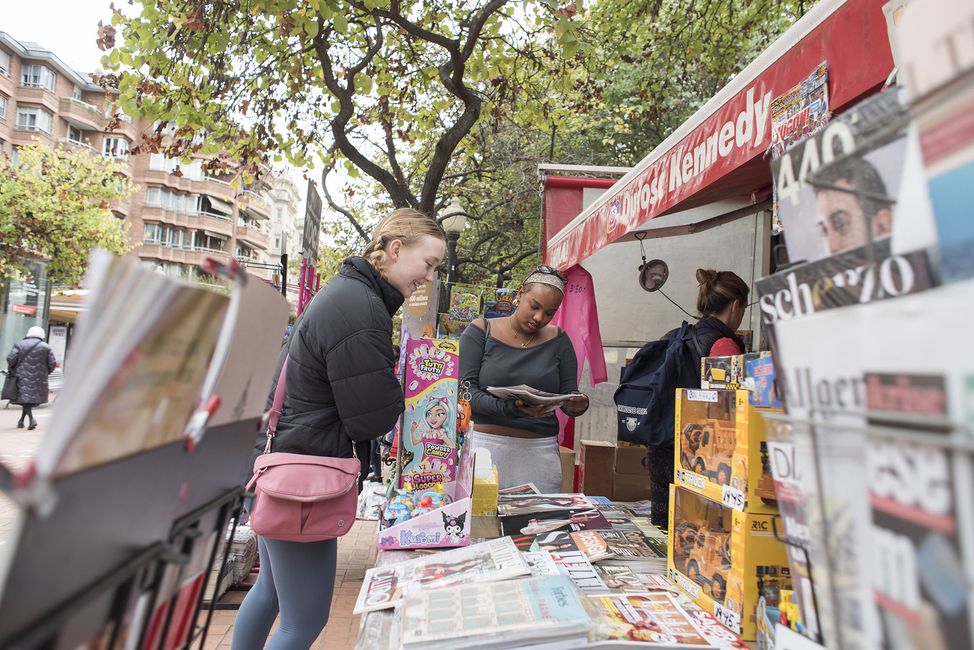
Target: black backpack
(645, 399)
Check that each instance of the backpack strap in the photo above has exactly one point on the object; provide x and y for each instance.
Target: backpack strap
(486, 329)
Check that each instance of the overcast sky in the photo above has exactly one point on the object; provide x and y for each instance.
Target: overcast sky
(66, 27)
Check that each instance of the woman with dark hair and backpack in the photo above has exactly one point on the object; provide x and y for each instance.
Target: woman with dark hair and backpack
(340, 389)
(31, 360)
(721, 301)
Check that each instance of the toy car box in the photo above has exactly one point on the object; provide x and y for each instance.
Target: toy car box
(721, 372)
(761, 380)
(724, 559)
(720, 449)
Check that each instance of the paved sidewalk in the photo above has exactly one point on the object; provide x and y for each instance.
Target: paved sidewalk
(17, 448)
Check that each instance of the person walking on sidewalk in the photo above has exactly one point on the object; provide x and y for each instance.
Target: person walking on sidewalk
(341, 389)
(31, 360)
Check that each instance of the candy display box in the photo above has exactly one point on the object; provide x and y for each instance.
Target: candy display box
(720, 449)
(725, 560)
(445, 527)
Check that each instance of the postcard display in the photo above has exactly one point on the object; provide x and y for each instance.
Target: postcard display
(430, 454)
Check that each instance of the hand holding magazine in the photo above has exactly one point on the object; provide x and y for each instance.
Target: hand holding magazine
(531, 396)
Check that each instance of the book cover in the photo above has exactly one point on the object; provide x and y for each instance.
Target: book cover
(837, 189)
(832, 363)
(915, 491)
(493, 615)
(646, 620)
(527, 488)
(535, 523)
(495, 559)
(619, 578)
(540, 563)
(516, 504)
(428, 437)
(576, 566)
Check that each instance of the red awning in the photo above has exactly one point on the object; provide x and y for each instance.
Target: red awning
(719, 153)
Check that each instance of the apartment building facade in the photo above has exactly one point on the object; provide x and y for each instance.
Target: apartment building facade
(179, 214)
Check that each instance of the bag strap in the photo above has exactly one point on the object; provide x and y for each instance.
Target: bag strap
(274, 415)
(23, 353)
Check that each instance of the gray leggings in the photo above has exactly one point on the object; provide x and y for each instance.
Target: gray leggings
(296, 579)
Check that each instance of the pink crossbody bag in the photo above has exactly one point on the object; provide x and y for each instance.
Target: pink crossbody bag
(301, 498)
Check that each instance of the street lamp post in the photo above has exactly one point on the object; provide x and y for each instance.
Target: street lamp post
(454, 219)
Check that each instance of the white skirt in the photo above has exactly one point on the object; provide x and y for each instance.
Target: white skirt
(523, 460)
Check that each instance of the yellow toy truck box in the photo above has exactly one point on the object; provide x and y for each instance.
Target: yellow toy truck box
(721, 451)
(724, 559)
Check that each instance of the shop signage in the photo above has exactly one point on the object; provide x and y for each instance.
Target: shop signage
(27, 310)
(736, 132)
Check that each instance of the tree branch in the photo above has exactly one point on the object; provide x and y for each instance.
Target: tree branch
(400, 195)
(337, 208)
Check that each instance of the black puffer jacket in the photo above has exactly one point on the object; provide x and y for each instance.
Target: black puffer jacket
(340, 380)
(32, 360)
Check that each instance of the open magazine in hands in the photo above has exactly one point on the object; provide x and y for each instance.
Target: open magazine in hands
(531, 396)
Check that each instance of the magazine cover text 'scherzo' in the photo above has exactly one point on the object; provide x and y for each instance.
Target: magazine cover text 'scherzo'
(495, 559)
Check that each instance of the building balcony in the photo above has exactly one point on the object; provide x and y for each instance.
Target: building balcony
(253, 236)
(159, 177)
(215, 187)
(255, 203)
(21, 137)
(213, 222)
(126, 126)
(39, 96)
(192, 256)
(82, 114)
(74, 145)
(7, 85)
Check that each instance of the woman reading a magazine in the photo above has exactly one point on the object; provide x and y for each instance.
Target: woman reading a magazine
(522, 349)
(341, 389)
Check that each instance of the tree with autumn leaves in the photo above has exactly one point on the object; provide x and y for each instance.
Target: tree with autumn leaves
(422, 100)
(55, 205)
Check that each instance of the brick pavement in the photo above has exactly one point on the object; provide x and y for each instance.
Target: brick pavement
(356, 551)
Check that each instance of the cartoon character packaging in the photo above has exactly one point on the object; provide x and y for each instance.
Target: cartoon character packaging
(721, 450)
(428, 439)
(725, 559)
(444, 527)
(429, 455)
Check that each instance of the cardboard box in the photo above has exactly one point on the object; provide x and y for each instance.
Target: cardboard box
(761, 380)
(567, 469)
(596, 468)
(721, 451)
(629, 460)
(724, 559)
(721, 372)
(630, 487)
(485, 494)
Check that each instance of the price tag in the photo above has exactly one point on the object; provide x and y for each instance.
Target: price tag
(702, 395)
(733, 498)
(728, 618)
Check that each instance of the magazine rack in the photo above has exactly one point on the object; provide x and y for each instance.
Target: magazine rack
(117, 554)
(930, 432)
